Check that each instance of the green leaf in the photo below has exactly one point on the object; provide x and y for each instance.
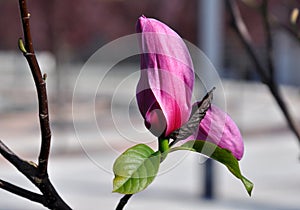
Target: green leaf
(135, 169)
(223, 156)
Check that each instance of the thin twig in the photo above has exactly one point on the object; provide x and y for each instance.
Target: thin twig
(242, 32)
(35, 197)
(54, 201)
(29, 170)
(123, 201)
(245, 38)
(41, 90)
(269, 39)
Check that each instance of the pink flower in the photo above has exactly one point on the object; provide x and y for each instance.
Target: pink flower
(165, 87)
(218, 128)
(164, 90)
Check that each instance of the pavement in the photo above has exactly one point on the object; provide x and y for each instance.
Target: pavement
(87, 141)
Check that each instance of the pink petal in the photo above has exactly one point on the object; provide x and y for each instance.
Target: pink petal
(217, 127)
(167, 77)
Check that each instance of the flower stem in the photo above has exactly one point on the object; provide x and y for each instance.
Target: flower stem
(163, 147)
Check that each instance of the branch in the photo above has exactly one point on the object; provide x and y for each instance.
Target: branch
(35, 197)
(37, 174)
(51, 198)
(123, 201)
(41, 90)
(242, 32)
(29, 170)
(269, 39)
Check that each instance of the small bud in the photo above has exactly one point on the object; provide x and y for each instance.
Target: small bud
(21, 45)
(45, 76)
(294, 16)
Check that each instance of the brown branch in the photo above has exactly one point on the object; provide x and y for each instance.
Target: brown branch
(51, 198)
(242, 32)
(41, 180)
(269, 39)
(35, 197)
(37, 174)
(41, 90)
(26, 168)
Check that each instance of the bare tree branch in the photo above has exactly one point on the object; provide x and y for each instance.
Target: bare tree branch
(269, 40)
(35, 197)
(242, 32)
(51, 198)
(29, 170)
(37, 174)
(41, 90)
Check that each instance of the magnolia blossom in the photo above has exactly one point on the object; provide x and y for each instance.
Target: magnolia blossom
(164, 91)
(217, 127)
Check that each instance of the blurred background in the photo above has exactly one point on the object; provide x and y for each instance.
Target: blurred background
(66, 33)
